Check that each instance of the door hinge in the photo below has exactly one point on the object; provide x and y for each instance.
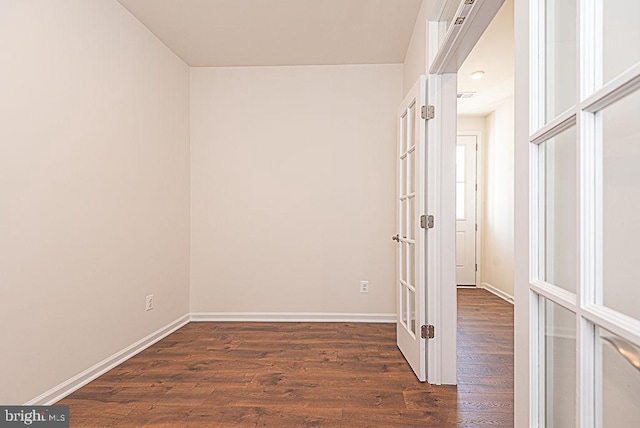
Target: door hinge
(427, 332)
(426, 221)
(428, 112)
(476, 267)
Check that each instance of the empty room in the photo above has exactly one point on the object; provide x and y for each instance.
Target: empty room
(243, 213)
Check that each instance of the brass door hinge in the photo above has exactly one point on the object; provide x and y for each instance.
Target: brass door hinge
(427, 332)
(427, 112)
(426, 221)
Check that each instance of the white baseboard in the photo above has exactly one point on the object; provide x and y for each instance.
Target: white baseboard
(67, 387)
(291, 317)
(501, 294)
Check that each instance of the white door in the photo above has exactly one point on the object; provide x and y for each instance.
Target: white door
(584, 198)
(411, 237)
(466, 210)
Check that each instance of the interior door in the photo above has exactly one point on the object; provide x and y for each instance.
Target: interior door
(466, 210)
(584, 197)
(411, 165)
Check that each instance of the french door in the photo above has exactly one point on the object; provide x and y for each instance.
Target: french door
(584, 202)
(410, 238)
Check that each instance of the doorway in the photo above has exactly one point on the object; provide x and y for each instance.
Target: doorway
(484, 193)
(466, 213)
(485, 105)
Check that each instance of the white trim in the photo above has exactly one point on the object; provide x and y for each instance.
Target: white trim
(620, 324)
(618, 88)
(558, 125)
(557, 295)
(525, 328)
(60, 391)
(494, 290)
(291, 317)
(441, 270)
(460, 39)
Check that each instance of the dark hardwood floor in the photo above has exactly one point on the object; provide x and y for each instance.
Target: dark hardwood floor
(306, 374)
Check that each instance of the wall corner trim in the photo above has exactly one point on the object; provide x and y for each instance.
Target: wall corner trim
(292, 317)
(60, 391)
(494, 290)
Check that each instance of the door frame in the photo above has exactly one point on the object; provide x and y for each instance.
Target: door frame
(524, 399)
(446, 51)
(479, 201)
(442, 305)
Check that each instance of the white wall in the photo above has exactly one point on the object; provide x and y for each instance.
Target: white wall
(497, 219)
(415, 60)
(472, 123)
(495, 172)
(95, 188)
(293, 188)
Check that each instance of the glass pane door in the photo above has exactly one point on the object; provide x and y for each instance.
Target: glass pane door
(585, 188)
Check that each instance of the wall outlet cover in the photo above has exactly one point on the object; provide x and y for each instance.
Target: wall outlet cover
(149, 302)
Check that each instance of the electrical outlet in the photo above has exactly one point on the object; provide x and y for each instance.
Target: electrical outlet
(364, 286)
(149, 302)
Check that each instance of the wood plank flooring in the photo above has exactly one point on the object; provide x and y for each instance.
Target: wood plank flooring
(306, 374)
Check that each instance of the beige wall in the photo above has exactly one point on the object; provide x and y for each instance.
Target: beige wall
(415, 60)
(95, 187)
(472, 123)
(495, 171)
(497, 221)
(293, 188)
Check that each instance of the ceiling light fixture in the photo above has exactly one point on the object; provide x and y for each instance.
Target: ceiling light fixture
(477, 74)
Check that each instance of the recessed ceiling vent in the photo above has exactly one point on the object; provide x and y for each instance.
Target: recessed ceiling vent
(465, 95)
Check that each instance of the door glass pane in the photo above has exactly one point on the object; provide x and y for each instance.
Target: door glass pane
(412, 311)
(403, 176)
(559, 365)
(411, 260)
(403, 134)
(403, 217)
(411, 114)
(460, 158)
(407, 315)
(403, 304)
(460, 201)
(412, 218)
(402, 261)
(621, 205)
(412, 172)
(560, 33)
(460, 174)
(621, 36)
(560, 196)
(620, 381)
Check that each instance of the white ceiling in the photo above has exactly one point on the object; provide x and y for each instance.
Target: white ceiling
(280, 32)
(494, 54)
